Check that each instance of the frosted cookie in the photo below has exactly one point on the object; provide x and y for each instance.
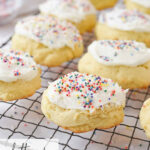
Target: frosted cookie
(141, 5)
(145, 117)
(19, 75)
(125, 62)
(81, 102)
(102, 4)
(79, 12)
(122, 24)
(49, 40)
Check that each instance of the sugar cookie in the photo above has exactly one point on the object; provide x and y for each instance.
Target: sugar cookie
(19, 75)
(122, 24)
(81, 102)
(125, 62)
(79, 12)
(145, 117)
(49, 40)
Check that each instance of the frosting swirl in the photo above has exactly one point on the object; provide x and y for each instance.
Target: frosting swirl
(73, 10)
(16, 65)
(49, 31)
(127, 20)
(85, 92)
(145, 3)
(121, 52)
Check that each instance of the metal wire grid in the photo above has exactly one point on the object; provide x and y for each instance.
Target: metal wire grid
(24, 119)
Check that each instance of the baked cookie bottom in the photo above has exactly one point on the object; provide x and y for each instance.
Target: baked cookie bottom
(103, 32)
(145, 117)
(44, 55)
(19, 89)
(86, 25)
(126, 76)
(132, 5)
(82, 120)
(102, 4)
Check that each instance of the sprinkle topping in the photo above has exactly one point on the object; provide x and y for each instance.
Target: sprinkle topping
(72, 10)
(49, 31)
(121, 52)
(16, 65)
(128, 20)
(82, 91)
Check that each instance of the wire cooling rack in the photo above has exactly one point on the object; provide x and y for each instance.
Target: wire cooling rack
(23, 119)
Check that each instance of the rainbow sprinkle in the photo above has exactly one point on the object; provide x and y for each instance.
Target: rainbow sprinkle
(117, 45)
(49, 31)
(14, 58)
(129, 16)
(86, 86)
(124, 16)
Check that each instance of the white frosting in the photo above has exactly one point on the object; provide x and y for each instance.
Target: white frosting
(85, 92)
(49, 31)
(145, 3)
(16, 65)
(122, 52)
(127, 20)
(73, 10)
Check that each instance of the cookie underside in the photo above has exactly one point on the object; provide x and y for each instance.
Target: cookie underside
(87, 24)
(104, 32)
(102, 4)
(44, 55)
(132, 5)
(127, 77)
(19, 89)
(82, 120)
